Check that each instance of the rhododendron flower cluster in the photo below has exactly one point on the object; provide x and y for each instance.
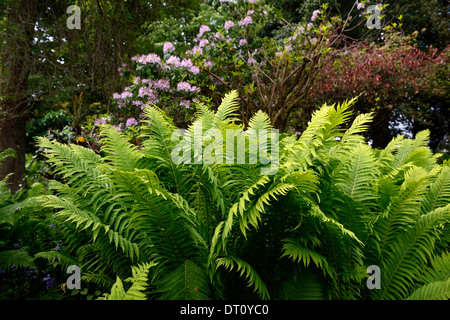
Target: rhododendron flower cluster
(168, 47)
(246, 21)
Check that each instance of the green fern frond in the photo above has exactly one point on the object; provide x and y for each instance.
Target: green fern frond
(299, 253)
(227, 108)
(19, 258)
(440, 269)
(260, 121)
(439, 192)
(61, 257)
(357, 176)
(318, 213)
(188, 282)
(240, 205)
(438, 290)
(138, 281)
(404, 207)
(122, 154)
(409, 253)
(230, 262)
(408, 146)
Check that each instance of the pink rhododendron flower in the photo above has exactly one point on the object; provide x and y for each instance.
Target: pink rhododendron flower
(126, 94)
(168, 47)
(207, 63)
(242, 42)
(360, 6)
(203, 42)
(228, 24)
(315, 15)
(150, 58)
(203, 29)
(184, 86)
(196, 50)
(219, 36)
(250, 12)
(187, 63)
(194, 70)
(174, 61)
(117, 127)
(246, 21)
(117, 95)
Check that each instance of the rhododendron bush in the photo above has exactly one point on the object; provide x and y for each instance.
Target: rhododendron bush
(285, 76)
(272, 75)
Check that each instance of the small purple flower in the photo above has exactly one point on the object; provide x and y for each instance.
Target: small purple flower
(203, 42)
(131, 122)
(185, 103)
(184, 86)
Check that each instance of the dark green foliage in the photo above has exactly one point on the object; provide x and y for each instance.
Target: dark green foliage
(309, 231)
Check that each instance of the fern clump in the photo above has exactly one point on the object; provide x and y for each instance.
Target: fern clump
(214, 230)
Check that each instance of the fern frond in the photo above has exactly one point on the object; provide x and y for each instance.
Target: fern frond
(188, 282)
(260, 121)
(408, 254)
(439, 192)
(138, 281)
(230, 262)
(318, 213)
(19, 258)
(404, 207)
(438, 290)
(357, 176)
(227, 109)
(299, 253)
(122, 154)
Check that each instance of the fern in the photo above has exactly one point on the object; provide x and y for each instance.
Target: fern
(18, 258)
(138, 285)
(230, 262)
(187, 282)
(438, 290)
(409, 254)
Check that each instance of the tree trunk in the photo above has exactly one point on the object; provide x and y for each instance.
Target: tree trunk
(12, 136)
(16, 61)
